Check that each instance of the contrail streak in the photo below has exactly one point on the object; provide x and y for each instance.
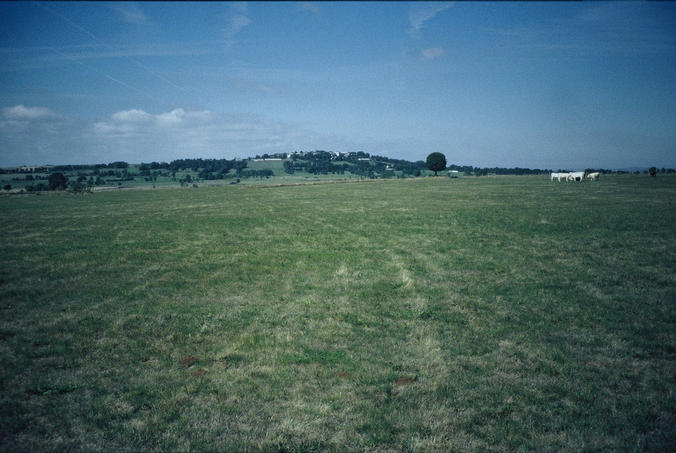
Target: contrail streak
(126, 85)
(91, 35)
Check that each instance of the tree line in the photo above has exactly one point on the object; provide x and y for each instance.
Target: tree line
(313, 162)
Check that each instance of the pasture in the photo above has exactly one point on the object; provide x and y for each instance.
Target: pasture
(432, 314)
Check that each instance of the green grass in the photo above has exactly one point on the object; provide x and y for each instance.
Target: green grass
(475, 314)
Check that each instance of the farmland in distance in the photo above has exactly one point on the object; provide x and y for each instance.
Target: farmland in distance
(471, 314)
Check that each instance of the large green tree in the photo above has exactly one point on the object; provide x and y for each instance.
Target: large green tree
(436, 162)
(57, 181)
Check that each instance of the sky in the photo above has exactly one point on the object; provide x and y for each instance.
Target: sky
(569, 85)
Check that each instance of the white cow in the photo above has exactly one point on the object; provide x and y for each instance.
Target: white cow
(559, 176)
(594, 176)
(576, 176)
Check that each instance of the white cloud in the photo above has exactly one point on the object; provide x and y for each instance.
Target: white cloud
(424, 11)
(130, 12)
(139, 120)
(131, 116)
(24, 120)
(136, 135)
(432, 53)
(173, 118)
(21, 112)
(37, 135)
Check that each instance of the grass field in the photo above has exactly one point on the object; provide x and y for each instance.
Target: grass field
(475, 314)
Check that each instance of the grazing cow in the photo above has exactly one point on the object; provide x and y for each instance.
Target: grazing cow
(559, 176)
(594, 176)
(576, 176)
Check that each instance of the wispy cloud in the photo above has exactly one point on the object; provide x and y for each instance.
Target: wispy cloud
(17, 59)
(96, 39)
(422, 12)
(131, 116)
(237, 20)
(130, 12)
(21, 112)
(239, 7)
(432, 53)
(605, 28)
(312, 7)
(236, 23)
(253, 85)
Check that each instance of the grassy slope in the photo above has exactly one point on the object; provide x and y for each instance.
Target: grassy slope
(435, 314)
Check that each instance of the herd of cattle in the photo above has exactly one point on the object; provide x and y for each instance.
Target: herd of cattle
(575, 176)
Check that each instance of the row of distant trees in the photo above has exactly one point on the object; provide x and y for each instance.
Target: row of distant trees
(64, 168)
(436, 162)
(314, 162)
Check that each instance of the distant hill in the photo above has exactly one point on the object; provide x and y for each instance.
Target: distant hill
(283, 167)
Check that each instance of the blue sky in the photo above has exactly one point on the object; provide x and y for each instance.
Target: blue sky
(546, 85)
